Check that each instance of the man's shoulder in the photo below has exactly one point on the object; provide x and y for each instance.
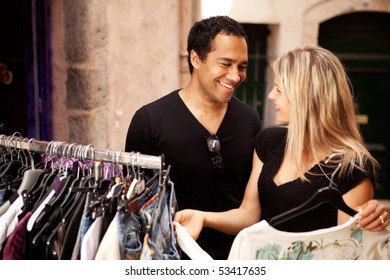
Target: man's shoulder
(162, 102)
(242, 107)
(244, 112)
(239, 103)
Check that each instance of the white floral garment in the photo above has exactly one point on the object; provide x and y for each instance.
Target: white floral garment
(343, 242)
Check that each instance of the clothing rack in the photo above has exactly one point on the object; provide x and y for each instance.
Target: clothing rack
(84, 152)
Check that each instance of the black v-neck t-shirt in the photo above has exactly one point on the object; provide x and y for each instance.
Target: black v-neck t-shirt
(166, 126)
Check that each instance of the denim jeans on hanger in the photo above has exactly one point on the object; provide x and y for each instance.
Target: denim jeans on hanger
(160, 242)
(131, 226)
(86, 219)
(129, 232)
(5, 194)
(2, 193)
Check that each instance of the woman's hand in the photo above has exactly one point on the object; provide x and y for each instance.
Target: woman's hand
(373, 217)
(192, 220)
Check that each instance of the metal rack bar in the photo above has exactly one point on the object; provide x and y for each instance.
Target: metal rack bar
(57, 148)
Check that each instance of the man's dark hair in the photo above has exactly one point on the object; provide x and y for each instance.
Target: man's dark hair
(203, 32)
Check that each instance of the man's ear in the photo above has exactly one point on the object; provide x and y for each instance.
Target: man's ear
(195, 59)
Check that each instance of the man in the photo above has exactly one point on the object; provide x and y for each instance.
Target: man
(204, 133)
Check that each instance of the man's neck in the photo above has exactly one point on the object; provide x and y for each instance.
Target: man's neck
(210, 114)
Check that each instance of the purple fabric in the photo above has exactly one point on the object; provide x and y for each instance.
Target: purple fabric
(13, 249)
(57, 186)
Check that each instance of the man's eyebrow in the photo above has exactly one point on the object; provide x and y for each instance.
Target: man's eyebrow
(227, 59)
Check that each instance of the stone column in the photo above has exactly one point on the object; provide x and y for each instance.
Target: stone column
(86, 85)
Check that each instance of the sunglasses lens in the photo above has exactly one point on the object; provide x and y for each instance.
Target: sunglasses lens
(217, 162)
(215, 147)
(213, 144)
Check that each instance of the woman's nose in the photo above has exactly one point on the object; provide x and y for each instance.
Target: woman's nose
(271, 94)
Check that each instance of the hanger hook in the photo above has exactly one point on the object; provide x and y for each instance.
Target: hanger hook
(66, 158)
(106, 166)
(84, 155)
(87, 149)
(69, 152)
(12, 145)
(138, 165)
(127, 164)
(118, 155)
(334, 173)
(56, 154)
(47, 156)
(132, 164)
(29, 152)
(19, 149)
(76, 155)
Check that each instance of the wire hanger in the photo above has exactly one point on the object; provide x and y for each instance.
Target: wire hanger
(329, 194)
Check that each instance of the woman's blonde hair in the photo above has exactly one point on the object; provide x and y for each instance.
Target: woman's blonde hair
(322, 109)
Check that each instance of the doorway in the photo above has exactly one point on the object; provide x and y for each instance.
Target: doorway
(251, 91)
(362, 41)
(25, 94)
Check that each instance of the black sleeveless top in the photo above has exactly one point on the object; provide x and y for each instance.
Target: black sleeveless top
(270, 144)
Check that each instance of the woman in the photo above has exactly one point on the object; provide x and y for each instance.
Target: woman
(290, 163)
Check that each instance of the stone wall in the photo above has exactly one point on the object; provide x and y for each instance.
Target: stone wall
(109, 59)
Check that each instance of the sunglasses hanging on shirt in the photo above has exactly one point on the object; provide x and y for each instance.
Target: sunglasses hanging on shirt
(214, 147)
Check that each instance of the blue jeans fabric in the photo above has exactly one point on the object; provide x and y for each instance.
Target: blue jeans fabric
(131, 228)
(160, 242)
(5, 194)
(2, 192)
(86, 220)
(148, 233)
(129, 232)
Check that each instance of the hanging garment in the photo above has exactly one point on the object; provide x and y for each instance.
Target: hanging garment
(30, 177)
(13, 249)
(17, 176)
(189, 245)
(133, 219)
(109, 246)
(343, 242)
(90, 243)
(160, 241)
(7, 218)
(65, 212)
(77, 245)
(71, 224)
(263, 242)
